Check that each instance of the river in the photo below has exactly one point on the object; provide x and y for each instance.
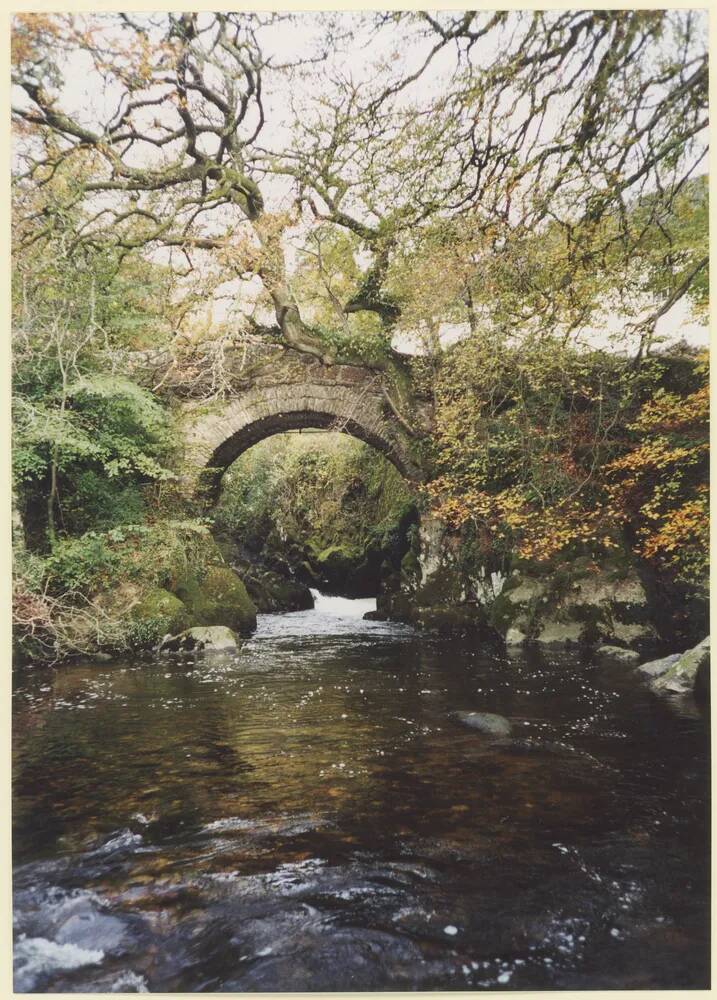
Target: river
(311, 816)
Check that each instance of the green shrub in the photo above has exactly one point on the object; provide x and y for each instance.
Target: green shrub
(146, 634)
(81, 564)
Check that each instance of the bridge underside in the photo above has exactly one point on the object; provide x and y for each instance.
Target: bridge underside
(253, 433)
(218, 438)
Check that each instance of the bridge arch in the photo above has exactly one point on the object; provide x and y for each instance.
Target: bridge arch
(217, 438)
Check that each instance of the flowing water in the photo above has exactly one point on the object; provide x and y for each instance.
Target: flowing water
(310, 815)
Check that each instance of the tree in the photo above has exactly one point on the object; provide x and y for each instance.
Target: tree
(581, 128)
(524, 175)
(86, 437)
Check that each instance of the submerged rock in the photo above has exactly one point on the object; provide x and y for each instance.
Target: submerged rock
(486, 722)
(618, 655)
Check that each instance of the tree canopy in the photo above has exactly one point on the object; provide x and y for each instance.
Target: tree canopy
(504, 169)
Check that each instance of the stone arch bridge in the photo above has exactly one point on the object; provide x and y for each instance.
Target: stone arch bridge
(275, 391)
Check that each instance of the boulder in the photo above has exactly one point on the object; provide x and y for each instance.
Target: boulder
(272, 592)
(617, 654)
(167, 610)
(220, 598)
(638, 634)
(573, 601)
(556, 633)
(682, 676)
(656, 668)
(486, 722)
(514, 637)
(206, 639)
(529, 589)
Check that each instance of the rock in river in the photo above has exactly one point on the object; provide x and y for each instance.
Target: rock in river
(618, 655)
(682, 676)
(486, 722)
(207, 638)
(656, 668)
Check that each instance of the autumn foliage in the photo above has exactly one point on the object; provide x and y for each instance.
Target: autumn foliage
(553, 451)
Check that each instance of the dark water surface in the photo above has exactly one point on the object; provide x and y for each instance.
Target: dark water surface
(310, 816)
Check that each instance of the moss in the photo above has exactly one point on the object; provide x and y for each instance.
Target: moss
(450, 619)
(504, 612)
(444, 587)
(271, 592)
(161, 606)
(337, 559)
(410, 568)
(219, 599)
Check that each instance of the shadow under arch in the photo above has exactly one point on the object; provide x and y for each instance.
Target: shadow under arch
(240, 441)
(218, 438)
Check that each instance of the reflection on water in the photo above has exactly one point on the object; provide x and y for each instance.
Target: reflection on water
(310, 815)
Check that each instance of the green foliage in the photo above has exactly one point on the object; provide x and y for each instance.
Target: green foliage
(131, 429)
(328, 501)
(326, 488)
(86, 442)
(360, 345)
(109, 423)
(145, 633)
(82, 564)
(101, 503)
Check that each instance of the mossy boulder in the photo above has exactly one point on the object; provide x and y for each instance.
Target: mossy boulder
(656, 668)
(616, 654)
(339, 557)
(161, 606)
(559, 633)
(272, 592)
(574, 601)
(220, 598)
(689, 671)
